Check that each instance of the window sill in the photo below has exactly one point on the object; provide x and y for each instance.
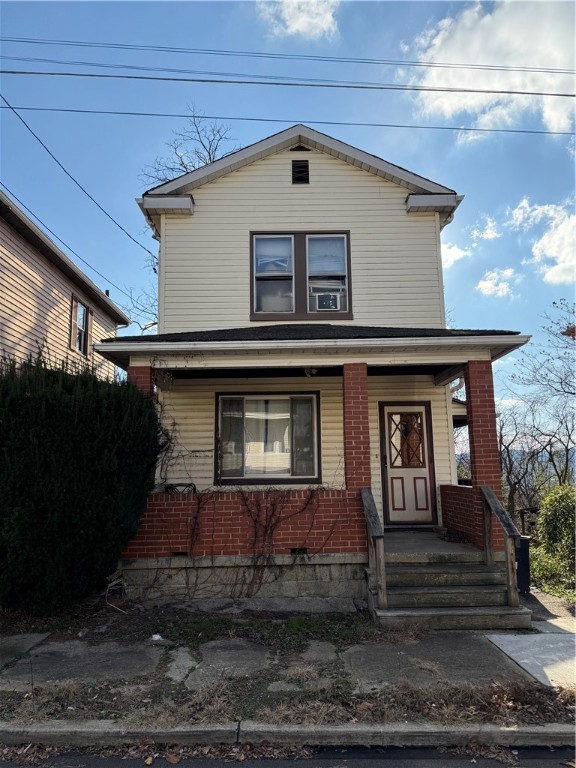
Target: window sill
(317, 317)
(270, 481)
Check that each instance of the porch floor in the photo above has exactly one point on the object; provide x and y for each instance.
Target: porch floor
(426, 546)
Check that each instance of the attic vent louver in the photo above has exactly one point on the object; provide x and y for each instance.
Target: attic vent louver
(300, 172)
(300, 148)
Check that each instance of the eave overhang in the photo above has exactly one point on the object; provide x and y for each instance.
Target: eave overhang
(153, 206)
(391, 351)
(443, 204)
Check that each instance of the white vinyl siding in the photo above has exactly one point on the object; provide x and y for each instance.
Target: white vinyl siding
(192, 406)
(205, 269)
(36, 306)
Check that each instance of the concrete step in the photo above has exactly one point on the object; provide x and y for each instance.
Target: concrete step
(447, 596)
(424, 558)
(454, 618)
(437, 574)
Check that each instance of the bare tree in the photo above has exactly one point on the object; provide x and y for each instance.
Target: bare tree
(548, 369)
(199, 143)
(537, 435)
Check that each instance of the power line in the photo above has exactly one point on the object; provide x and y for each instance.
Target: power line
(140, 68)
(59, 164)
(47, 228)
(291, 122)
(293, 84)
(285, 56)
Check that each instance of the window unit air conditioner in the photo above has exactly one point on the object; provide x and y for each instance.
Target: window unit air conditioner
(327, 301)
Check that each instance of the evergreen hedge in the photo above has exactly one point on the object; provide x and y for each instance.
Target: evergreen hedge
(77, 460)
(552, 560)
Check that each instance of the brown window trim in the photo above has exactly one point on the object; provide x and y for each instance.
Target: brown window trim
(268, 480)
(300, 280)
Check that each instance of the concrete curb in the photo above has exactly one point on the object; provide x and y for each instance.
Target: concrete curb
(109, 733)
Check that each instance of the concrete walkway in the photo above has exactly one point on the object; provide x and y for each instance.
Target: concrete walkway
(430, 659)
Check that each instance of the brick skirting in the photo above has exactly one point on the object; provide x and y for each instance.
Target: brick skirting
(463, 513)
(250, 523)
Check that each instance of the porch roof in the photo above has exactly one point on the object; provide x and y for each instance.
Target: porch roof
(334, 344)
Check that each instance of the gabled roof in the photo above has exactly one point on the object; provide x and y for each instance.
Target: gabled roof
(292, 137)
(18, 220)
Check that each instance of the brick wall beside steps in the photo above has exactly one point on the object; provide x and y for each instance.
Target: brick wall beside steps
(214, 524)
(463, 513)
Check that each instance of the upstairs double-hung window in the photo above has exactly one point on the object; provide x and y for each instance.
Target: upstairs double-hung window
(300, 275)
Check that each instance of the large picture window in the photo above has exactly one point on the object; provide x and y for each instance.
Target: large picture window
(267, 438)
(300, 275)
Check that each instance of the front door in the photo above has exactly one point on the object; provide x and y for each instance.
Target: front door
(407, 472)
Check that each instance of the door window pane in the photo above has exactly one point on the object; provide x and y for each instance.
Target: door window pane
(406, 440)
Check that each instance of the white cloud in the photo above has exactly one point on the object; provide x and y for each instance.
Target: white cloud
(505, 33)
(554, 250)
(498, 283)
(451, 254)
(488, 232)
(310, 19)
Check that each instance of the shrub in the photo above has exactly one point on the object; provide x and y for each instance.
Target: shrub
(552, 560)
(77, 459)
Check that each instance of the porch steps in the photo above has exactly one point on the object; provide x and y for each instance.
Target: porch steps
(484, 617)
(440, 590)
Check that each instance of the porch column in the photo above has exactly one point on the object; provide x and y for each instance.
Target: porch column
(142, 377)
(356, 426)
(484, 455)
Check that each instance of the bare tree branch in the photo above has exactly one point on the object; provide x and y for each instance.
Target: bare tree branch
(199, 143)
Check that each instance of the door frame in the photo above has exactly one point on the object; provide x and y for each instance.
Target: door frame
(426, 405)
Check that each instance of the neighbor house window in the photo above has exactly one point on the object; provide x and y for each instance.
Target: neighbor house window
(80, 327)
(267, 438)
(301, 275)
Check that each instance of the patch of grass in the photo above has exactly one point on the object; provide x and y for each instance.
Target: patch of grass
(206, 628)
(512, 704)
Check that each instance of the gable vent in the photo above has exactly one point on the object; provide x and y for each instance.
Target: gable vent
(300, 148)
(300, 172)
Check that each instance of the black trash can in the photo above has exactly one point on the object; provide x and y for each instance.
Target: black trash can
(523, 565)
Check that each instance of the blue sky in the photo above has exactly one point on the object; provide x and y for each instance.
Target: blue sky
(509, 252)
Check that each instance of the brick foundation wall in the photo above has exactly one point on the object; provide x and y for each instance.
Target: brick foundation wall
(219, 523)
(463, 513)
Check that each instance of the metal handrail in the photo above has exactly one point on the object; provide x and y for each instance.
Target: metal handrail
(375, 545)
(512, 539)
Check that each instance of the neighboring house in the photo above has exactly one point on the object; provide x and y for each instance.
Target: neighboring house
(302, 355)
(46, 303)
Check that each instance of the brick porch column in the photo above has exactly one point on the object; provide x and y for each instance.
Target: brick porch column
(356, 426)
(484, 455)
(142, 377)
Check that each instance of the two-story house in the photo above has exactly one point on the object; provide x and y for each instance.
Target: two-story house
(47, 304)
(303, 364)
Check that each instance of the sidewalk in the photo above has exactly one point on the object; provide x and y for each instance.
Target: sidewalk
(99, 686)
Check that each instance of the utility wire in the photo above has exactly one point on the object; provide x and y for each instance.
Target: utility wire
(293, 84)
(290, 122)
(54, 235)
(139, 68)
(59, 164)
(284, 56)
